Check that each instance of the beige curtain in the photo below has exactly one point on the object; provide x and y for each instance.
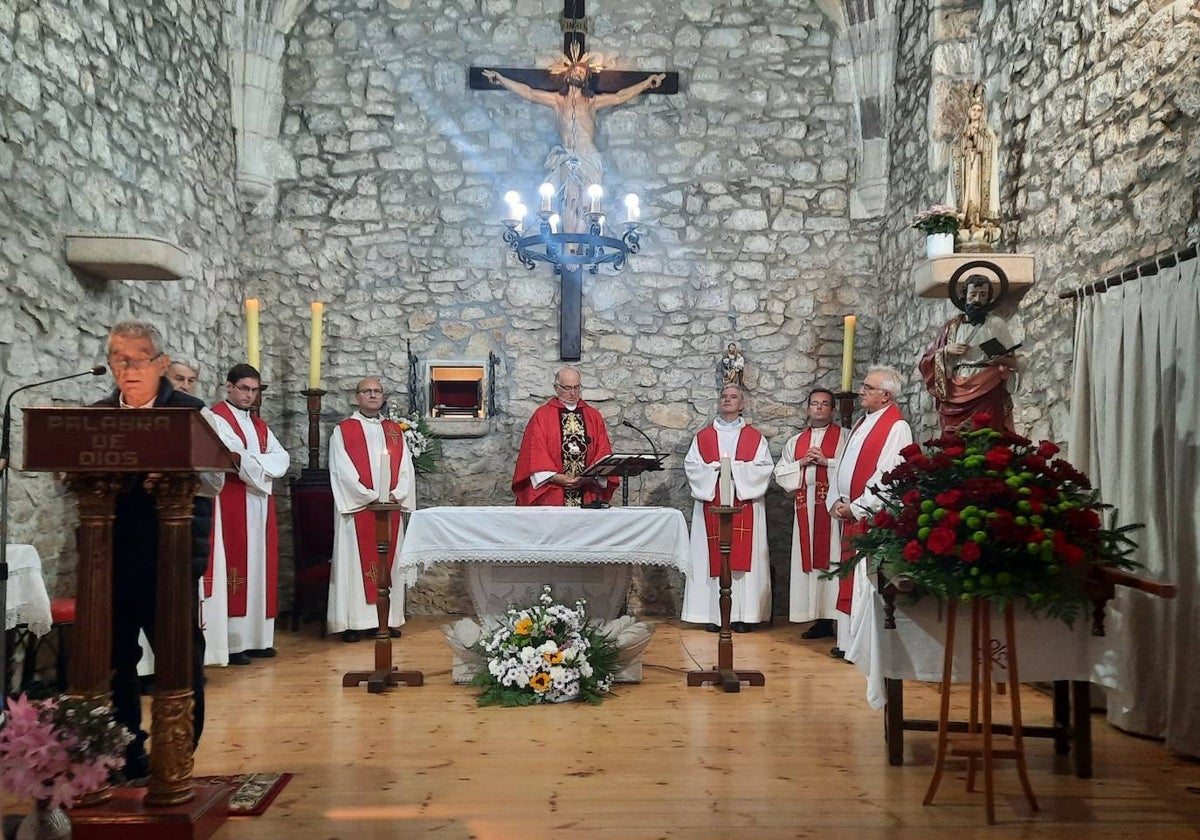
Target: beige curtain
(1135, 429)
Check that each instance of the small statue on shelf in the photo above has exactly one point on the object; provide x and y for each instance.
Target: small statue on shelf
(973, 187)
(733, 366)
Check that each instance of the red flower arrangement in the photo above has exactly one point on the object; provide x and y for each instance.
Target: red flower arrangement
(982, 513)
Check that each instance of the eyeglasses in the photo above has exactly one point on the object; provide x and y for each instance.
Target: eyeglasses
(569, 388)
(375, 392)
(134, 364)
(247, 389)
(820, 404)
(866, 387)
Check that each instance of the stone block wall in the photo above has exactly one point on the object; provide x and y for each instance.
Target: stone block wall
(1096, 108)
(394, 221)
(114, 118)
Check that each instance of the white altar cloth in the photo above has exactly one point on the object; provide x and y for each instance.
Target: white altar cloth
(28, 601)
(512, 552)
(640, 536)
(1047, 649)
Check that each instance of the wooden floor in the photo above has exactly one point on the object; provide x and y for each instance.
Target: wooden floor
(801, 757)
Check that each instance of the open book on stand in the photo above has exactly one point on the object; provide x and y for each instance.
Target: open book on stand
(624, 465)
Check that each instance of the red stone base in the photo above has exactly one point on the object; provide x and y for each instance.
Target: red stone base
(124, 817)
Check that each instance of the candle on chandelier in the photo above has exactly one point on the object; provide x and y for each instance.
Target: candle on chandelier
(595, 193)
(848, 352)
(554, 221)
(314, 346)
(252, 338)
(631, 209)
(546, 191)
(513, 199)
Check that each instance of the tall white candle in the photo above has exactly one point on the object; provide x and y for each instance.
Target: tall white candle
(384, 479)
(725, 485)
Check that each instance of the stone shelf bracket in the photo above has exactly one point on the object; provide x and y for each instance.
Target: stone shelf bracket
(931, 278)
(120, 256)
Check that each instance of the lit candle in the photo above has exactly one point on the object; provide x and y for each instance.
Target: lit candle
(725, 485)
(252, 346)
(546, 190)
(848, 353)
(314, 347)
(384, 479)
(631, 208)
(595, 192)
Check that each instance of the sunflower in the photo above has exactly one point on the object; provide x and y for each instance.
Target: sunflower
(554, 658)
(523, 627)
(540, 681)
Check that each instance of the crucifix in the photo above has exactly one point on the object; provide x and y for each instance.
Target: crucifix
(576, 88)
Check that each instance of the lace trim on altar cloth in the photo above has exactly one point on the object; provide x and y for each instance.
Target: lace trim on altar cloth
(37, 621)
(532, 557)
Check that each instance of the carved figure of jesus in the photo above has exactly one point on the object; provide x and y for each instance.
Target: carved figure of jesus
(575, 164)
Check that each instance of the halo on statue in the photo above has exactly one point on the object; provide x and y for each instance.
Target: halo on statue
(960, 278)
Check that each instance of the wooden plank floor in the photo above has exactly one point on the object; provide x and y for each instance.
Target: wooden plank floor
(801, 757)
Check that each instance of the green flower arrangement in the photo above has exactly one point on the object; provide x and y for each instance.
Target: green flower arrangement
(425, 449)
(982, 513)
(937, 219)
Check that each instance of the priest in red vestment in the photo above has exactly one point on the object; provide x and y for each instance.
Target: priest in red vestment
(246, 519)
(564, 437)
(750, 469)
(808, 461)
(367, 452)
(872, 449)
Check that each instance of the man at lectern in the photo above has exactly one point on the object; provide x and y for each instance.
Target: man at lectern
(139, 368)
(368, 463)
(564, 437)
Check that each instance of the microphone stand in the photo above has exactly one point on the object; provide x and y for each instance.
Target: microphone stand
(5, 456)
(653, 451)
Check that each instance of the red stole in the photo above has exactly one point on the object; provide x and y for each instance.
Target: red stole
(743, 520)
(234, 532)
(355, 440)
(814, 539)
(864, 467)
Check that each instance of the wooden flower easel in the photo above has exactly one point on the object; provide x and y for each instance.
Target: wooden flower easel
(980, 743)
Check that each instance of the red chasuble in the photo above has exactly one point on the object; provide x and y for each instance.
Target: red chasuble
(814, 539)
(864, 467)
(743, 520)
(541, 451)
(355, 440)
(232, 500)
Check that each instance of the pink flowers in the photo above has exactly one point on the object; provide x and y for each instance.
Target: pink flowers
(59, 749)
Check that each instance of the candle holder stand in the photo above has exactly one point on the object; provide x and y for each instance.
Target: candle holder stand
(725, 674)
(845, 406)
(313, 396)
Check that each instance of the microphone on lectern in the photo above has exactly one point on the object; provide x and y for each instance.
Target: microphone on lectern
(653, 448)
(5, 432)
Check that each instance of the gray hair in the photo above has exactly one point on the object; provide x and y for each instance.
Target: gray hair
(893, 383)
(138, 330)
(176, 360)
(729, 385)
(558, 374)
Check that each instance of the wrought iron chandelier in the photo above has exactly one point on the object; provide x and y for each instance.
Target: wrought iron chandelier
(547, 241)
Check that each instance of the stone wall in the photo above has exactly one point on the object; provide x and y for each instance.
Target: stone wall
(1096, 106)
(113, 118)
(393, 220)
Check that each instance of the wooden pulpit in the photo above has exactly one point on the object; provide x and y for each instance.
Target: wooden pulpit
(97, 449)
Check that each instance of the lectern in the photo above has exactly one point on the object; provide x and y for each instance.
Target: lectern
(97, 449)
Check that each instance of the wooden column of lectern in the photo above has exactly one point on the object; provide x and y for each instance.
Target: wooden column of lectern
(730, 679)
(385, 673)
(99, 450)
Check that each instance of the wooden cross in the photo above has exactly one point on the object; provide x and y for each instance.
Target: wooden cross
(574, 28)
